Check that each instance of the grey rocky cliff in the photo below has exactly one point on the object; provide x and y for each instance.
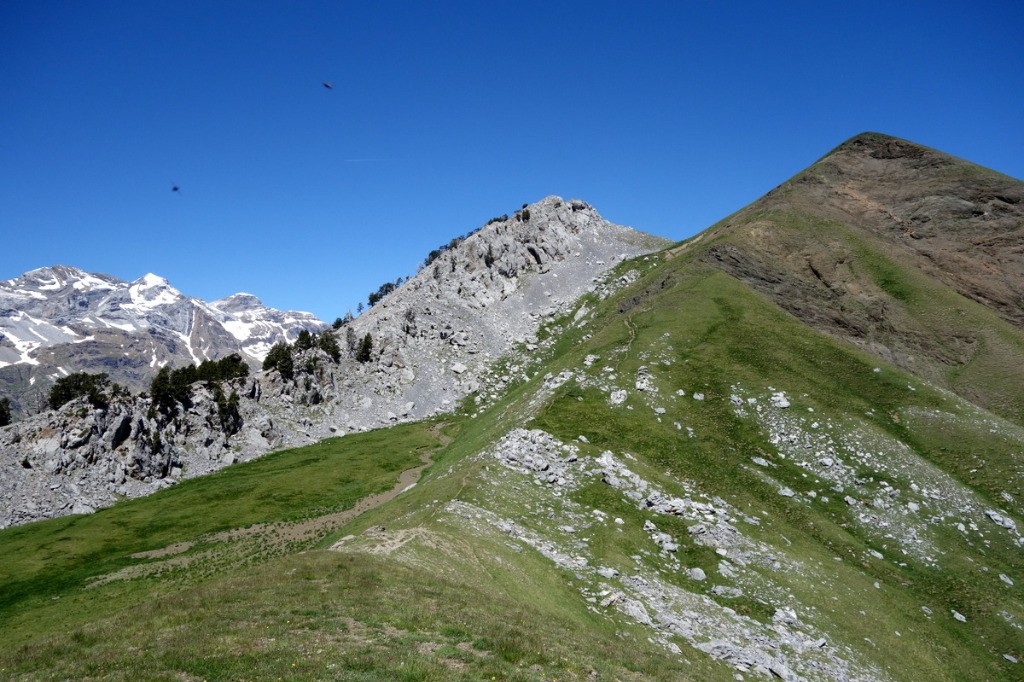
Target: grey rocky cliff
(434, 340)
(436, 335)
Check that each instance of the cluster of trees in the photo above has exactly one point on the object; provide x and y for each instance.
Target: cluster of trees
(94, 387)
(436, 253)
(227, 410)
(281, 357)
(384, 290)
(325, 341)
(172, 387)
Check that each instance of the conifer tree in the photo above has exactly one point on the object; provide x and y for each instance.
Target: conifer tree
(305, 340)
(280, 358)
(365, 348)
(328, 343)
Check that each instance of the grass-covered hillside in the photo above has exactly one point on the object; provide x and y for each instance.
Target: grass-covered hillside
(909, 253)
(683, 480)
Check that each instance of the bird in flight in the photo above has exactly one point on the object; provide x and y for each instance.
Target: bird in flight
(175, 189)
(329, 85)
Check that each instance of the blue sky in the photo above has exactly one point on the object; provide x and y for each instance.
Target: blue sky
(666, 116)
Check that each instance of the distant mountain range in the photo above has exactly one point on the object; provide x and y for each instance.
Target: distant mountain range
(57, 320)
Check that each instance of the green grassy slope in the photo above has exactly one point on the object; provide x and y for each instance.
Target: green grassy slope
(486, 570)
(433, 586)
(906, 252)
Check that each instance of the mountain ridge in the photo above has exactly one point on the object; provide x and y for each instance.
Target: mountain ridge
(434, 339)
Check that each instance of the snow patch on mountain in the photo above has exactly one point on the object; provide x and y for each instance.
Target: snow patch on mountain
(151, 292)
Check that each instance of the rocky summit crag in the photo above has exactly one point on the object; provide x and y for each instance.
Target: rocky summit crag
(435, 340)
(787, 448)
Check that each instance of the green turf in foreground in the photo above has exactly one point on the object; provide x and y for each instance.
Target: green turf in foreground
(45, 560)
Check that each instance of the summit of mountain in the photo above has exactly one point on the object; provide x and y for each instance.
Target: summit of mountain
(910, 253)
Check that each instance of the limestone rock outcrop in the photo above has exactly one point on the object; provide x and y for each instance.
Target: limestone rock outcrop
(433, 340)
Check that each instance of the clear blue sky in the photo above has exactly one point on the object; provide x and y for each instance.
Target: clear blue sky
(665, 116)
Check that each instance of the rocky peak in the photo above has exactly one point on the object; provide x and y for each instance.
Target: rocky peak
(55, 278)
(150, 291)
(435, 339)
(436, 334)
(865, 243)
(240, 302)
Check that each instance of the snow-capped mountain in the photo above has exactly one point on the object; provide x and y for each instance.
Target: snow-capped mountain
(57, 320)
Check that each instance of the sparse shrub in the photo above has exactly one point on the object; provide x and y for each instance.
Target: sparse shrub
(5, 411)
(384, 289)
(489, 256)
(410, 321)
(432, 256)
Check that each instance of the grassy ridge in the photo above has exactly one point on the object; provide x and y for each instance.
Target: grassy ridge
(722, 335)
(859, 286)
(432, 598)
(294, 613)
